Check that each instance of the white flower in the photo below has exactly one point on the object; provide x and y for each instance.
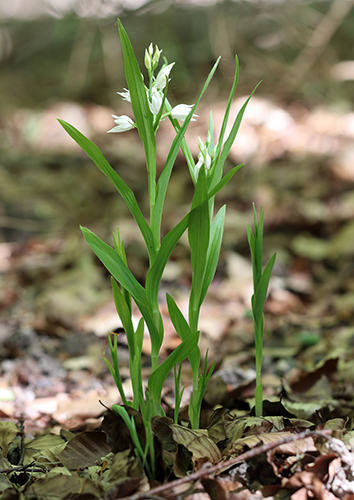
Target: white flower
(123, 122)
(125, 95)
(164, 73)
(203, 159)
(206, 155)
(154, 100)
(181, 111)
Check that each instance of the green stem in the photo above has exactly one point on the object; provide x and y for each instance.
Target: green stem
(155, 222)
(259, 355)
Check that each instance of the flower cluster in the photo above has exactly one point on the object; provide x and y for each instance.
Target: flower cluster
(206, 155)
(155, 93)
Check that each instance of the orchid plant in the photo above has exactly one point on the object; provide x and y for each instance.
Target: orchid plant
(150, 106)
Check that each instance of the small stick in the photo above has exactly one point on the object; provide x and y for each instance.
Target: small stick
(23, 447)
(258, 450)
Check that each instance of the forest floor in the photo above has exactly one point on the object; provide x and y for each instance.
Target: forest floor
(56, 310)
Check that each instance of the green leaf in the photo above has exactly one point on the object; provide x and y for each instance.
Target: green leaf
(261, 291)
(127, 194)
(227, 177)
(184, 331)
(158, 377)
(258, 234)
(117, 268)
(227, 110)
(130, 423)
(216, 232)
(177, 318)
(169, 242)
(135, 365)
(119, 246)
(115, 372)
(198, 236)
(125, 316)
(230, 140)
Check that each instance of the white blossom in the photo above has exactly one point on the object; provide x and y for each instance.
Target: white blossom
(123, 122)
(181, 111)
(154, 100)
(125, 95)
(206, 155)
(164, 73)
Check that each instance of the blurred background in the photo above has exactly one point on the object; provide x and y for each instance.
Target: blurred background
(62, 59)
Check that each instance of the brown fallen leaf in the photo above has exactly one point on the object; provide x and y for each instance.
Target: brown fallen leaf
(84, 450)
(197, 442)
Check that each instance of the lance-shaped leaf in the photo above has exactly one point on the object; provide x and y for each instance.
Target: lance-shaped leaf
(216, 232)
(126, 193)
(261, 291)
(168, 243)
(183, 330)
(227, 177)
(198, 236)
(229, 142)
(158, 377)
(124, 315)
(118, 269)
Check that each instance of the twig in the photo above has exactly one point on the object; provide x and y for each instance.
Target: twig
(23, 447)
(195, 476)
(22, 468)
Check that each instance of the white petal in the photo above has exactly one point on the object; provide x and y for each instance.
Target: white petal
(125, 95)
(155, 102)
(181, 111)
(123, 122)
(160, 81)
